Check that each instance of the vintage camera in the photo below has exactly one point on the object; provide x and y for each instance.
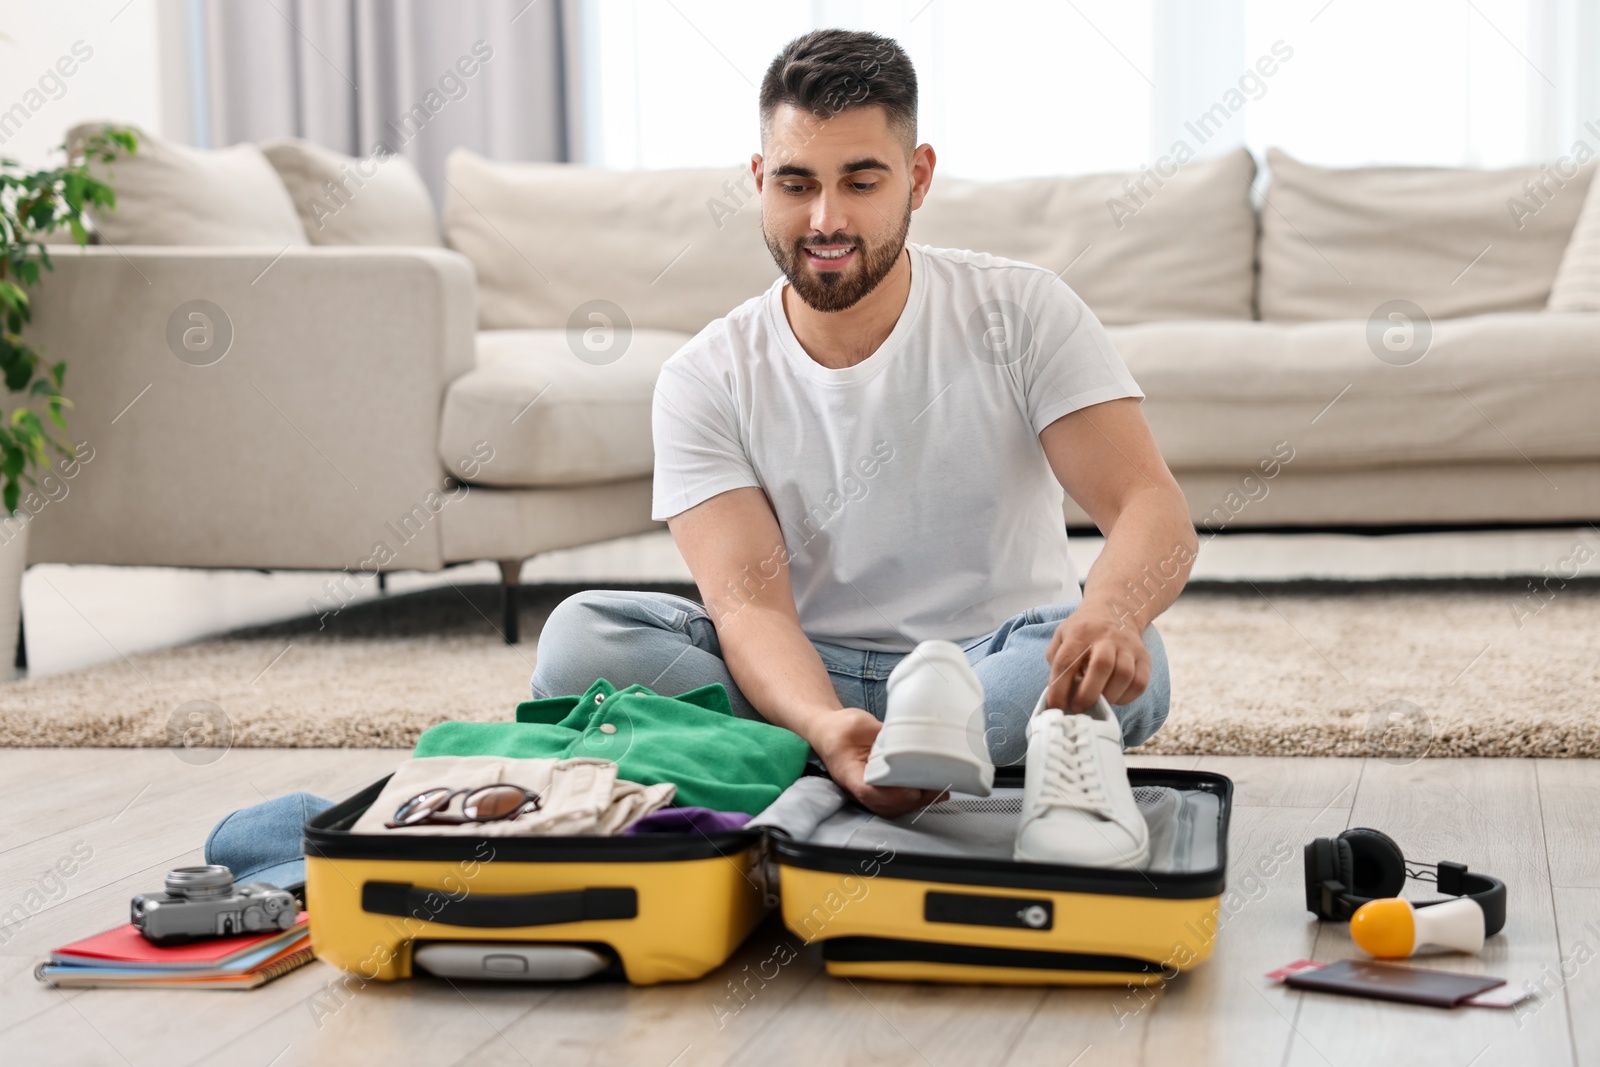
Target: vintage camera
(203, 902)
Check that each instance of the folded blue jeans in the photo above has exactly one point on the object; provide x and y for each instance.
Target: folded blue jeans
(669, 644)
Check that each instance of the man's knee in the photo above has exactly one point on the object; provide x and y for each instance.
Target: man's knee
(1006, 727)
(579, 637)
(562, 640)
(1142, 717)
(598, 631)
(571, 620)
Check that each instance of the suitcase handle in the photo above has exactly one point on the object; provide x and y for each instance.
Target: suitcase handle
(494, 910)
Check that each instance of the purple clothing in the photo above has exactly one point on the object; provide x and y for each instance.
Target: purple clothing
(687, 821)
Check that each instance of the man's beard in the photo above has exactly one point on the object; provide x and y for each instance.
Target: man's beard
(836, 290)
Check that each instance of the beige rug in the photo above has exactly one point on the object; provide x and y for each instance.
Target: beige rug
(1397, 670)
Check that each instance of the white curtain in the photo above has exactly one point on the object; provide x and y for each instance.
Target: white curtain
(422, 76)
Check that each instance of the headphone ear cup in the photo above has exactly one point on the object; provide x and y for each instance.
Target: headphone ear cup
(1319, 869)
(1376, 867)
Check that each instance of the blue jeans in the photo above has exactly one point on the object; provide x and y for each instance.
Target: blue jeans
(668, 644)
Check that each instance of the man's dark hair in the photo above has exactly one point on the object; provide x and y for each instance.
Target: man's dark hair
(829, 71)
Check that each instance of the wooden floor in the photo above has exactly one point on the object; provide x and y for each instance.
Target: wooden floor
(128, 815)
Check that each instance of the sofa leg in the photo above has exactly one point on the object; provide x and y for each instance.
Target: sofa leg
(383, 581)
(510, 582)
(21, 661)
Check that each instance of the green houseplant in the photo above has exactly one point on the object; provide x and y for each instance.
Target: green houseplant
(33, 204)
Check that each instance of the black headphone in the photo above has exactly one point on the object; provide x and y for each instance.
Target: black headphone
(1344, 872)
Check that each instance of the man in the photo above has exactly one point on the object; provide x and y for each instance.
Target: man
(873, 453)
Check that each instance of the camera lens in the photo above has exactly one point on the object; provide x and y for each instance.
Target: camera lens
(198, 883)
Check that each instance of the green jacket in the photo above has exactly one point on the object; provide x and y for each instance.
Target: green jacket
(694, 741)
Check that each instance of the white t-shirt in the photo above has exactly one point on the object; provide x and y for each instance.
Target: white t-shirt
(913, 495)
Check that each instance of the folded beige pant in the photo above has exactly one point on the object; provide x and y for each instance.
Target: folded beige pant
(577, 796)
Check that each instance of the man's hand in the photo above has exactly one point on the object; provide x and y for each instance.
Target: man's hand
(1102, 654)
(844, 739)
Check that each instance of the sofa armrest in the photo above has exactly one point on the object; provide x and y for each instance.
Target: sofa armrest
(301, 431)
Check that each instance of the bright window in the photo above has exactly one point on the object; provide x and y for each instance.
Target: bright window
(1373, 81)
(1006, 88)
(1012, 88)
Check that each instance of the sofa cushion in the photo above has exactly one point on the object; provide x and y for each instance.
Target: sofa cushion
(171, 194)
(1338, 243)
(547, 238)
(551, 417)
(1577, 283)
(342, 200)
(1180, 247)
(1224, 395)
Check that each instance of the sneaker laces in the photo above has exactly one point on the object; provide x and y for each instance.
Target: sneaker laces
(1070, 778)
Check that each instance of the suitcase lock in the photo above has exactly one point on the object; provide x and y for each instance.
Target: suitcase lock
(972, 909)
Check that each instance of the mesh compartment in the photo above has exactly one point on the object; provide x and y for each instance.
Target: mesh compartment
(1008, 805)
(1149, 797)
(986, 827)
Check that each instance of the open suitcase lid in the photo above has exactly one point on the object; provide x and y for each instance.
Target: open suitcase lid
(1205, 881)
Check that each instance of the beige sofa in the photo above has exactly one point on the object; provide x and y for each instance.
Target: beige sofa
(388, 403)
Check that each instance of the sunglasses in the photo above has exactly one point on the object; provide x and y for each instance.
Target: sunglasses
(484, 803)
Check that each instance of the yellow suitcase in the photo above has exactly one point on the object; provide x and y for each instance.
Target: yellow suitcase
(662, 907)
(893, 914)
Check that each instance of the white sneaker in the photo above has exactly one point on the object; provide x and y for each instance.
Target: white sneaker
(1077, 805)
(933, 736)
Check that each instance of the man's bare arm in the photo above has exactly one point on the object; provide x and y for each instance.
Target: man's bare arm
(1106, 459)
(736, 552)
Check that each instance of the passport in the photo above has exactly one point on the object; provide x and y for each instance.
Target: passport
(1389, 981)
